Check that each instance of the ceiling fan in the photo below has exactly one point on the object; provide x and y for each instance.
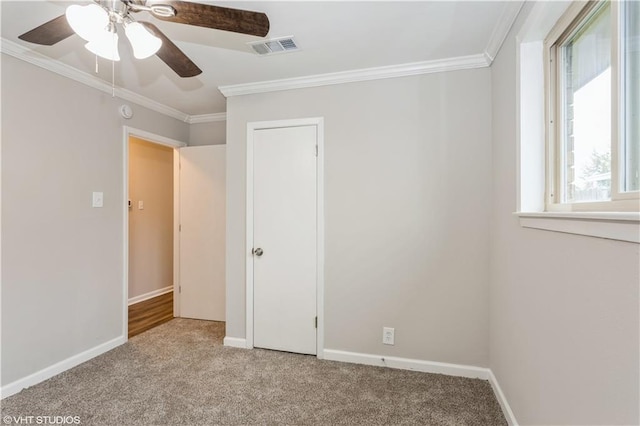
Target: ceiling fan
(96, 23)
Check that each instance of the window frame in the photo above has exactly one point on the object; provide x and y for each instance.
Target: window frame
(563, 30)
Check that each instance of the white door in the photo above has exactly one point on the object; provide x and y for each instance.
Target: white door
(284, 239)
(202, 232)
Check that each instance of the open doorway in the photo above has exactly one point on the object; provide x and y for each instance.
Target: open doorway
(151, 220)
(151, 234)
(174, 231)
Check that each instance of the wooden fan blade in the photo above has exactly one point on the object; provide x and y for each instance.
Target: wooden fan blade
(49, 33)
(172, 55)
(216, 17)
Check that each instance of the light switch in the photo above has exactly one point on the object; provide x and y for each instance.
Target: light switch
(140, 205)
(98, 199)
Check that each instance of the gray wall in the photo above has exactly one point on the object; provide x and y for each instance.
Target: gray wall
(62, 260)
(212, 133)
(564, 308)
(413, 186)
(150, 229)
(407, 203)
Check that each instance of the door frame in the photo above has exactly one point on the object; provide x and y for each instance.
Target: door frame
(261, 125)
(127, 132)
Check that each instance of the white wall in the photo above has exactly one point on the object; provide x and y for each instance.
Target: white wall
(62, 261)
(407, 202)
(211, 133)
(564, 308)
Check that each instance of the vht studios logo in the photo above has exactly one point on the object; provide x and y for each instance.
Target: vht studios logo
(41, 420)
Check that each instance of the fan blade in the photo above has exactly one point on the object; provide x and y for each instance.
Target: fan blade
(216, 17)
(172, 55)
(50, 32)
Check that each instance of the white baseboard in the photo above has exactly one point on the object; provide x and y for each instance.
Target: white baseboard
(502, 400)
(408, 364)
(428, 367)
(47, 373)
(235, 342)
(329, 355)
(150, 295)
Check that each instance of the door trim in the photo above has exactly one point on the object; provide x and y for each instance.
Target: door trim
(251, 128)
(127, 132)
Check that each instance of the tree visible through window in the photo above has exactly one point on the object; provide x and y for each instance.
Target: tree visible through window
(586, 108)
(594, 101)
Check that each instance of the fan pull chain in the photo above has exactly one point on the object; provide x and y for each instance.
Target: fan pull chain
(96, 64)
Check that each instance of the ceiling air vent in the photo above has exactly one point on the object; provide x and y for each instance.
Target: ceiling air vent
(275, 45)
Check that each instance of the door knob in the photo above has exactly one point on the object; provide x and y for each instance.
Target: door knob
(258, 252)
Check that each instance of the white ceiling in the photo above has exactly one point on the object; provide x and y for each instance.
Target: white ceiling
(334, 36)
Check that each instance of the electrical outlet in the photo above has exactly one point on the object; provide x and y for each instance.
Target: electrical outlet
(388, 335)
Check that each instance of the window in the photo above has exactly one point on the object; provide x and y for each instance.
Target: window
(592, 108)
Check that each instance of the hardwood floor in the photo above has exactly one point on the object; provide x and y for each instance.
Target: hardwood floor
(150, 313)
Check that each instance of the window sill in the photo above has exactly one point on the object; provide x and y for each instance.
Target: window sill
(621, 226)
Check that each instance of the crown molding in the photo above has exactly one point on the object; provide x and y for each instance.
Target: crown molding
(509, 14)
(207, 118)
(377, 73)
(20, 52)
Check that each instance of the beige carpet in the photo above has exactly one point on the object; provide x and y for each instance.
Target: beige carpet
(180, 374)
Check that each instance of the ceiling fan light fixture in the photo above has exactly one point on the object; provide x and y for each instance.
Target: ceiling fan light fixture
(87, 21)
(105, 44)
(144, 43)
